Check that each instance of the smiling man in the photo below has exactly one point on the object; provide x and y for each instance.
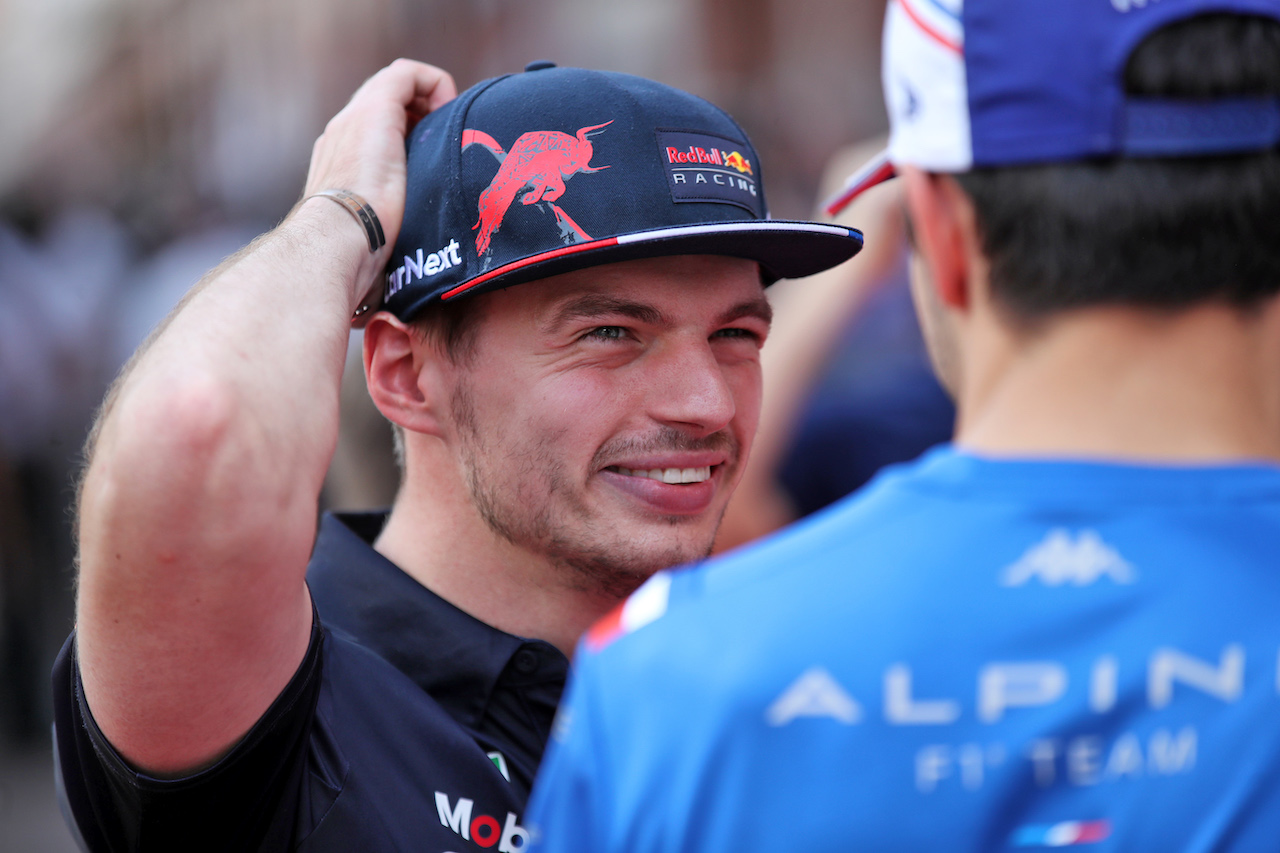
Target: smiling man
(567, 343)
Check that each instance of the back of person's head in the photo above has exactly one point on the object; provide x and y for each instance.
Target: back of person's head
(1154, 232)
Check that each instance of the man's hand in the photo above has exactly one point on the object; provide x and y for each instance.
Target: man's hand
(199, 506)
(362, 148)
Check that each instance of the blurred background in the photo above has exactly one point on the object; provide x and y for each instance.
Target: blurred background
(141, 141)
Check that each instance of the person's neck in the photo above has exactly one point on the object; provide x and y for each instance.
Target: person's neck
(435, 535)
(1196, 385)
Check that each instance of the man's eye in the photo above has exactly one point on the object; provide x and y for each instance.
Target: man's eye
(736, 333)
(608, 333)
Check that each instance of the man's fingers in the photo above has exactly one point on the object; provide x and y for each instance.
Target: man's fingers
(422, 105)
(441, 92)
(418, 109)
(414, 87)
(419, 82)
(362, 148)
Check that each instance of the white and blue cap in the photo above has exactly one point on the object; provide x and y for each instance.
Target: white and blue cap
(979, 83)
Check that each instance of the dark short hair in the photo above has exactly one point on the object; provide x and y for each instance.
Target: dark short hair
(452, 326)
(1152, 233)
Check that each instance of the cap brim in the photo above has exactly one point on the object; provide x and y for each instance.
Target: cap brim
(784, 249)
(875, 171)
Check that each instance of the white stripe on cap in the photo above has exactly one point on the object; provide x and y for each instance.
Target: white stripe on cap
(729, 227)
(925, 85)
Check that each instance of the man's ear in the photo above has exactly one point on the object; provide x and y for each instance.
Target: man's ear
(403, 374)
(942, 219)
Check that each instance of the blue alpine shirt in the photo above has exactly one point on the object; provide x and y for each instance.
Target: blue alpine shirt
(969, 655)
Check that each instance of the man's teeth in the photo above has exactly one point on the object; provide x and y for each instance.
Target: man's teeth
(671, 475)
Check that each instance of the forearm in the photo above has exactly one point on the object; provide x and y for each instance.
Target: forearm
(266, 333)
(199, 505)
(198, 508)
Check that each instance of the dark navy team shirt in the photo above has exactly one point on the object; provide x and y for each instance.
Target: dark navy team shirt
(970, 655)
(410, 725)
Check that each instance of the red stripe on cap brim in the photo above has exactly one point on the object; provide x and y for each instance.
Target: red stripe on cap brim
(875, 171)
(529, 261)
(655, 235)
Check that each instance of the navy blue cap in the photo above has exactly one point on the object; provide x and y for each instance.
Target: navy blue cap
(536, 174)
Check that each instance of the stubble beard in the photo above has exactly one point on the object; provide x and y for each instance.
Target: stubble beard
(521, 508)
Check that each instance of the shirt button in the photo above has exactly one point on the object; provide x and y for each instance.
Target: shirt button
(526, 662)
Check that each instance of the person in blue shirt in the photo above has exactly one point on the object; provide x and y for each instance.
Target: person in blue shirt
(1061, 630)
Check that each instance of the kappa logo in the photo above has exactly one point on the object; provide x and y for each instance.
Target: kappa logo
(814, 694)
(535, 170)
(1065, 559)
(483, 829)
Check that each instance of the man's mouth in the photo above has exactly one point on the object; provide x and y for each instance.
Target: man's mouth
(672, 476)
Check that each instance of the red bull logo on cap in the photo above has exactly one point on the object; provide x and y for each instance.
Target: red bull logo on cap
(737, 161)
(535, 171)
(703, 167)
(712, 156)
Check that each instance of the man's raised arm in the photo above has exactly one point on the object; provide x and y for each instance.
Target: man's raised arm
(198, 507)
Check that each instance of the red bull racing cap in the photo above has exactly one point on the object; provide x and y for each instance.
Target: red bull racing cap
(981, 83)
(536, 174)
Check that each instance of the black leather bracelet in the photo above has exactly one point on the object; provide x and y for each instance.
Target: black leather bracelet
(360, 209)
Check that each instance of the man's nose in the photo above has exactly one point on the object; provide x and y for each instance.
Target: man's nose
(690, 390)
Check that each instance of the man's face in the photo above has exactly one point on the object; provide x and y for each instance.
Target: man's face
(606, 414)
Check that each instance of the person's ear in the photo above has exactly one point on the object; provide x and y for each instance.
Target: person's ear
(942, 219)
(404, 374)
